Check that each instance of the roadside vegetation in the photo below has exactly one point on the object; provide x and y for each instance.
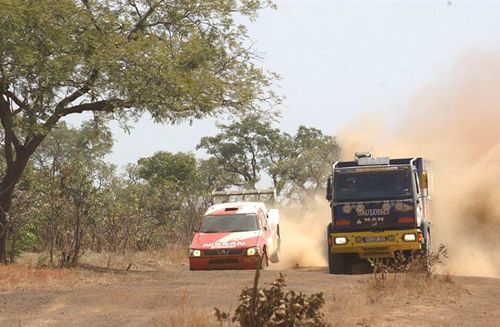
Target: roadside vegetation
(70, 201)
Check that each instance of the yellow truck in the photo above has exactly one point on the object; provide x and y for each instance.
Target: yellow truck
(380, 209)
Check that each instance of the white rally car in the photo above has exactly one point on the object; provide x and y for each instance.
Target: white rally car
(236, 235)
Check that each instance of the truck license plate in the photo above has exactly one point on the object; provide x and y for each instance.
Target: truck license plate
(374, 238)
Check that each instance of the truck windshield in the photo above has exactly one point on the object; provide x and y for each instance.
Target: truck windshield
(372, 185)
(229, 223)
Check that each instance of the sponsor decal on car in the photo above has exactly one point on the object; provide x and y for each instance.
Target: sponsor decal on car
(233, 240)
(218, 245)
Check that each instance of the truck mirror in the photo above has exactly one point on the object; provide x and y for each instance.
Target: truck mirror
(425, 180)
(424, 183)
(329, 189)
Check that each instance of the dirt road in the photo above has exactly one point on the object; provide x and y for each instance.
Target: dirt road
(177, 297)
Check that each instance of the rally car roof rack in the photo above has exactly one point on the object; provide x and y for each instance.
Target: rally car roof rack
(244, 194)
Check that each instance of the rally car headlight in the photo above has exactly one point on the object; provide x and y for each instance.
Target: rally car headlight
(340, 240)
(409, 237)
(253, 250)
(194, 253)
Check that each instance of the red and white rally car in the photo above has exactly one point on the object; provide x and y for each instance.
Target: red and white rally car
(238, 235)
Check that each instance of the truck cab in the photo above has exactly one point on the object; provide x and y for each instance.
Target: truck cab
(380, 209)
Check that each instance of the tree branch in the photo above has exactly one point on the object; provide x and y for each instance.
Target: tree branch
(78, 93)
(140, 24)
(10, 136)
(100, 106)
(21, 104)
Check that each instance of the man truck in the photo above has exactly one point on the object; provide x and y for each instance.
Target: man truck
(380, 209)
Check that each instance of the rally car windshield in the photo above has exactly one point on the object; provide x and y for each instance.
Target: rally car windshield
(372, 185)
(229, 223)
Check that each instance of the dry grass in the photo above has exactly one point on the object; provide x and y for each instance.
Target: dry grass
(19, 276)
(32, 270)
(374, 298)
(137, 261)
(121, 261)
(186, 316)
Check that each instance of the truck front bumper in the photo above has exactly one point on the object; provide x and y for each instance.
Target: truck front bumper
(383, 244)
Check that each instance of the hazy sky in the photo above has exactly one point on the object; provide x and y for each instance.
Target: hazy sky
(339, 59)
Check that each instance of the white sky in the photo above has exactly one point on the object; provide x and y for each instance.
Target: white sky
(342, 58)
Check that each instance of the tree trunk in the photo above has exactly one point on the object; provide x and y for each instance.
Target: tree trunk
(12, 175)
(3, 240)
(76, 248)
(13, 248)
(5, 204)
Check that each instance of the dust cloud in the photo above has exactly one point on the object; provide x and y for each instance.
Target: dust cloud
(303, 234)
(454, 123)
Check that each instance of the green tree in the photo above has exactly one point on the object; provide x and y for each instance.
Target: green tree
(178, 191)
(178, 60)
(246, 150)
(242, 149)
(68, 177)
(309, 165)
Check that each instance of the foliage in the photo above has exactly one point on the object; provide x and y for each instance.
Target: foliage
(275, 307)
(248, 149)
(241, 149)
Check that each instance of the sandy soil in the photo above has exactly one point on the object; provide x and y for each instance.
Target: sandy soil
(176, 296)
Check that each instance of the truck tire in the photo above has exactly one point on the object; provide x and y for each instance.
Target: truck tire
(339, 263)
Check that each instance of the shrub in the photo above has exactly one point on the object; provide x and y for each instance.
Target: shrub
(419, 263)
(275, 307)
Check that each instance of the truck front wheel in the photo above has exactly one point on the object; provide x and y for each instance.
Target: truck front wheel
(339, 263)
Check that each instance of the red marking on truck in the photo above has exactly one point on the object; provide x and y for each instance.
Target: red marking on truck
(405, 220)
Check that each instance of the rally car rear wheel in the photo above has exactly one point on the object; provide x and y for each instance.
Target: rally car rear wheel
(275, 258)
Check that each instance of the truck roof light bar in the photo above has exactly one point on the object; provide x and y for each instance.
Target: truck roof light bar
(369, 161)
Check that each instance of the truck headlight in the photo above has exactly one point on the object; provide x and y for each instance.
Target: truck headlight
(254, 250)
(409, 237)
(194, 253)
(340, 240)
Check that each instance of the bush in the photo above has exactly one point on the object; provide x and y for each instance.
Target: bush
(275, 307)
(419, 263)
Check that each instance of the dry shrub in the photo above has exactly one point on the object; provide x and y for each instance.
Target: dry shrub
(422, 264)
(275, 307)
(416, 276)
